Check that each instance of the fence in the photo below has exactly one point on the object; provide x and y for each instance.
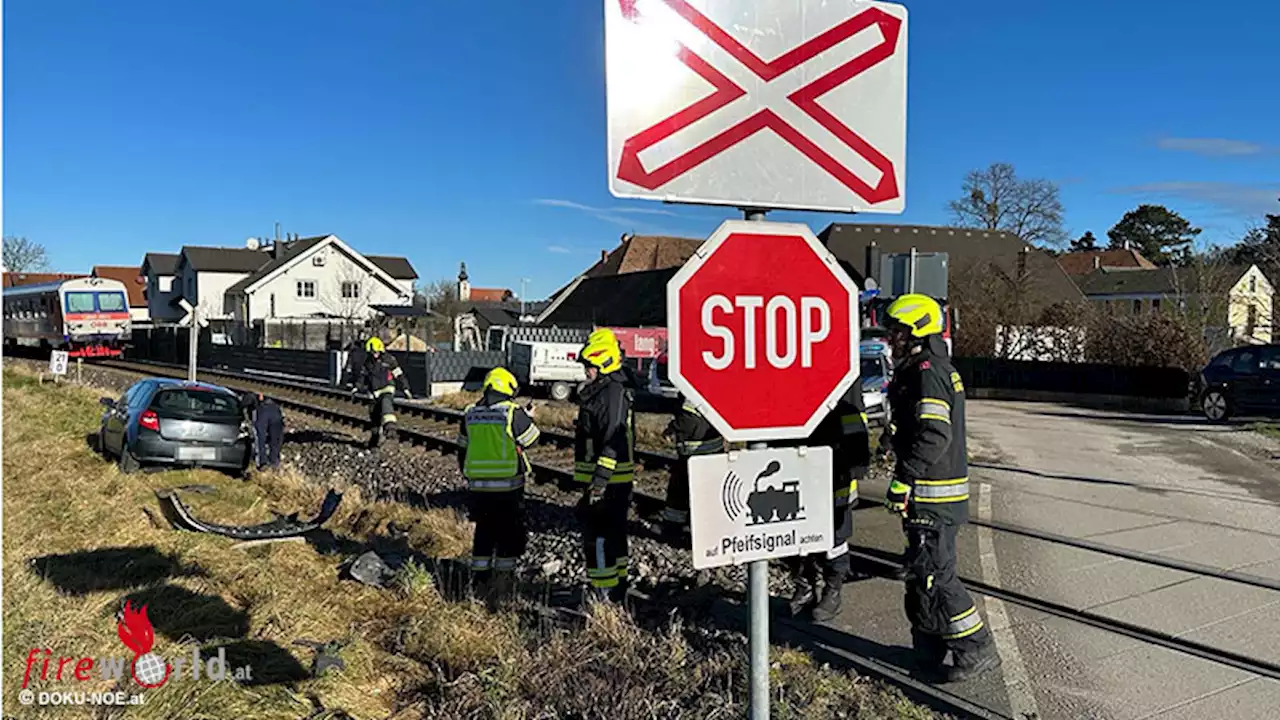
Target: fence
(315, 334)
(1076, 378)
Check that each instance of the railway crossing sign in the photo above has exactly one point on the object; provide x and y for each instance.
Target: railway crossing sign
(763, 330)
(759, 504)
(192, 311)
(697, 114)
(58, 360)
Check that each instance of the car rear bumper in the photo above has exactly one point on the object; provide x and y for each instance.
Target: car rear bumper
(158, 451)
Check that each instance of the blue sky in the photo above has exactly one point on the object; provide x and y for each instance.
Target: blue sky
(449, 131)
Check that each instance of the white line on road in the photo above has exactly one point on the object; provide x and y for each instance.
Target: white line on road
(1022, 699)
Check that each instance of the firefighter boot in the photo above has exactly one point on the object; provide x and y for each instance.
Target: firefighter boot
(833, 573)
(930, 654)
(804, 586)
(970, 663)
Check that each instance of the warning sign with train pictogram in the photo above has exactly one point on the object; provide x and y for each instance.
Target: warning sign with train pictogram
(751, 505)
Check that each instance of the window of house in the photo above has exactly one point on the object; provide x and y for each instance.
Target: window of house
(1253, 284)
(1137, 306)
(350, 290)
(306, 289)
(1155, 305)
(1251, 320)
(166, 284)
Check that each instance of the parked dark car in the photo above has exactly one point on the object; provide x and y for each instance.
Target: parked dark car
(1241, 381)
(161, 421)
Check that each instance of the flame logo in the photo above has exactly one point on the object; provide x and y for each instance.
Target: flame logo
(135, 631)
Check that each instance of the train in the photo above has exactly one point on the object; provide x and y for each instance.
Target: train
(87, 317)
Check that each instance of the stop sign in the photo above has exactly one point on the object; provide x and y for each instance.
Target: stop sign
(762, 330)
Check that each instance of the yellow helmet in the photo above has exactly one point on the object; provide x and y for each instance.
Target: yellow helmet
(602, 351)
(374, 344)
(919, 312)
(501, 380)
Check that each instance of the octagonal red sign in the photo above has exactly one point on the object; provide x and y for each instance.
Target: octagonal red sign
(763, 330)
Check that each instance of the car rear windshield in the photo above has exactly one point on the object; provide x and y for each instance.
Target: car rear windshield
(196, 404)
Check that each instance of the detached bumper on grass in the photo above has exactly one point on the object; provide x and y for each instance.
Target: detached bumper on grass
(180, 516)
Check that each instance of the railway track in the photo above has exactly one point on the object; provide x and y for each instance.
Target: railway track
(435, 428)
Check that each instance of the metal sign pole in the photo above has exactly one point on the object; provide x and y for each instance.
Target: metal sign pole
(193, 343)
(758, 598)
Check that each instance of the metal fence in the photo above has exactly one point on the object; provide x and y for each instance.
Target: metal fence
(1080, 378)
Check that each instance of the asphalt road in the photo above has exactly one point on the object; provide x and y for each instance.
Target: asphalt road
(1170, 486)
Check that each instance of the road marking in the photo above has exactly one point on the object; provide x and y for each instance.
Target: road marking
(1022, 699)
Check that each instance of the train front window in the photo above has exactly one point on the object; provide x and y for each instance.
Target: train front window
(80, 302)
(110, 302)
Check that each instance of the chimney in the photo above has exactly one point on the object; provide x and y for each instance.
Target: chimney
(604, 255)
(1097, 262)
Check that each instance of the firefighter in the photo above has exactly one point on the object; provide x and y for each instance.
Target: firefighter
(693, 435)
(930, 489)
(844, 430)
(380, 375)
(494, 435)
(604, 464)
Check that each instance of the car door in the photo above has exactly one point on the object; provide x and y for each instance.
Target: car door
(114, 421)
(1269, 376)
(1246, 380)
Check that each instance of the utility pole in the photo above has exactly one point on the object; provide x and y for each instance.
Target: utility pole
(523, 283)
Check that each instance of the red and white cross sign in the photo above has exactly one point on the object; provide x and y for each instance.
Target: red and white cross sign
(695, 114)
(763, 330)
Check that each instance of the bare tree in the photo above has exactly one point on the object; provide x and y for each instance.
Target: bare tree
(23, 255)
(1005, 312)
(441, 298)
(349, 297)
(996, 199)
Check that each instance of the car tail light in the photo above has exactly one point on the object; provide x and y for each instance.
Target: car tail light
(150, 420)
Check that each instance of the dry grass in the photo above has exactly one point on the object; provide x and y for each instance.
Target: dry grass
(77, 543)
(1271, 430)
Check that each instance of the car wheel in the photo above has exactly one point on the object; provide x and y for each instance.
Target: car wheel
(561, 391)
(128, 462)
(1215, 406)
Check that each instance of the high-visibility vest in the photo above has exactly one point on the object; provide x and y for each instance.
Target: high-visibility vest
(491, 448)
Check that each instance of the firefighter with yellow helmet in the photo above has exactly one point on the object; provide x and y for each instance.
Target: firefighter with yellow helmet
(604, 464)
(930, 489)
(494, 435)
(380, 375)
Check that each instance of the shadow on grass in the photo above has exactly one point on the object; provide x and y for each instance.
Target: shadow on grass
(181, 614)
(269, 664)
(117, 568)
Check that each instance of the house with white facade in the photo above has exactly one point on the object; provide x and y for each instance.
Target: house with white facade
(297, 278)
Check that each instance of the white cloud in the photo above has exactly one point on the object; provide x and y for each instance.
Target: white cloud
(556, 202)
(1213, 147)
(559, 250)
(1235, 198)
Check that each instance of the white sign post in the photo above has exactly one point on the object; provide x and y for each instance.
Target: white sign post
(58, 360)
(768, 104)
(193, 313)
(751, 505)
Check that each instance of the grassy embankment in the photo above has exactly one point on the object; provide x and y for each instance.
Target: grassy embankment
(77, 542)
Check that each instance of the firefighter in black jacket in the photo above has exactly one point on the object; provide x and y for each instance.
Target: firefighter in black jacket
(930, 489)
(693, 435)
(604, 464)
(380, 375)
(844, 430)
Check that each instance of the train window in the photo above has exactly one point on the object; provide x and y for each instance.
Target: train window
(110, 302)
(80, 302)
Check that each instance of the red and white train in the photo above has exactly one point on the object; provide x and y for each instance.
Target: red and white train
(88, 317)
